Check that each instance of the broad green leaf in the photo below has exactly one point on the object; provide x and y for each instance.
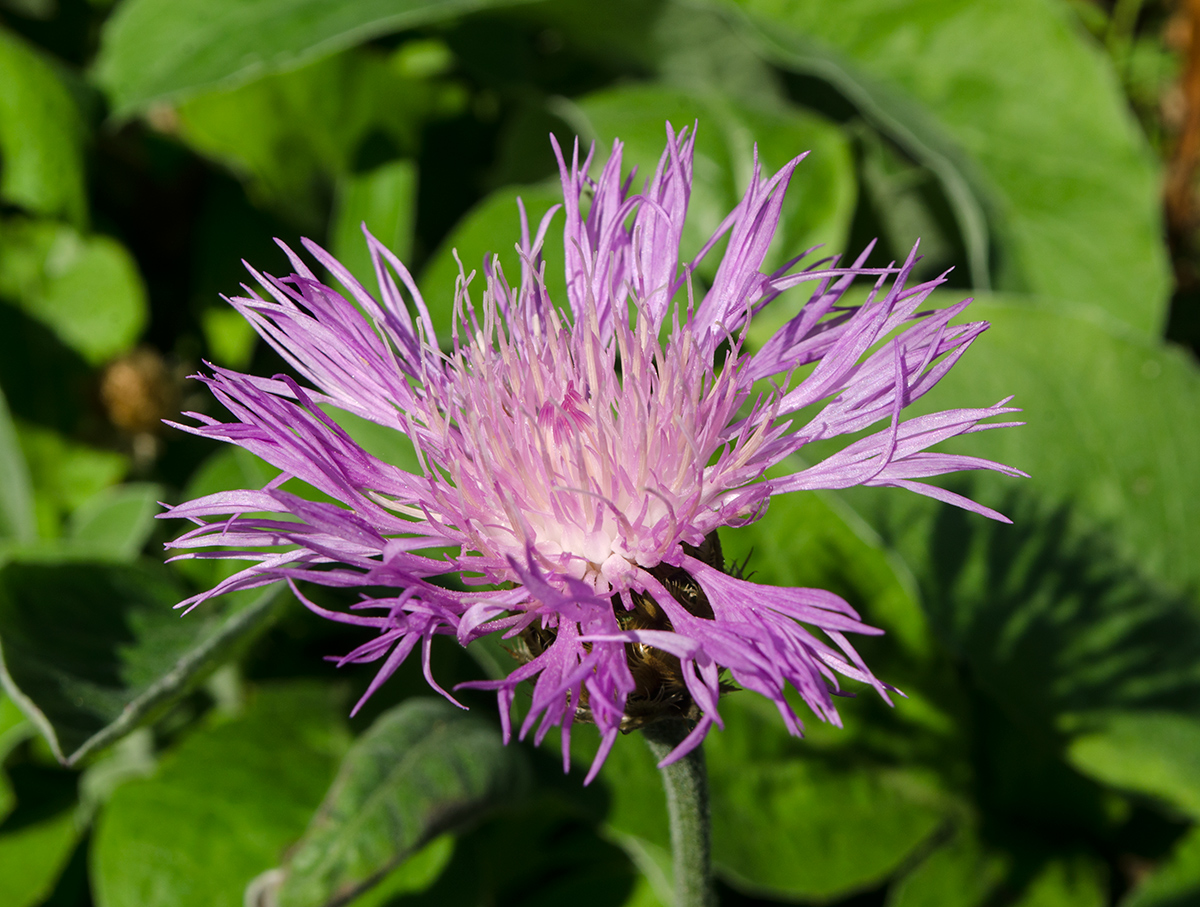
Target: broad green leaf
(961, 873)
(492, 227)
(292, 135)
(821, 196)
(32, 856)
(85, 288)
(384, 199)
(90, 651)
(1176, 882)
(66, 474)
(790, 823)
(117, 521)
(157, 50)
(1156, 753)
(41, 136)
(17, 521)
(1111, 432)
(222, 806)
(1021, 119)
(424, 768)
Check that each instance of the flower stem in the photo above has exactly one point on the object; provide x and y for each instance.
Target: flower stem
(686, 783)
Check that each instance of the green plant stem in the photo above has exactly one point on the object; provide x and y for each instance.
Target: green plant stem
(686, 783)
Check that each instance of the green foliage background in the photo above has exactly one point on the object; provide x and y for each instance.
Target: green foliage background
(1048, 751)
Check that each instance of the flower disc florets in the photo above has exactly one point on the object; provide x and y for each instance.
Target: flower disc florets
(577, 463)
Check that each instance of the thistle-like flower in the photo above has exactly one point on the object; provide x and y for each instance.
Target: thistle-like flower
(577, 465)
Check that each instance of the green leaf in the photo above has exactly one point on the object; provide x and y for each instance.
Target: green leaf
(385, 199)
(32, 856)
(90, 651)
(414, 875)
(1111, 431)
(1156, 753)
(17, 522)
(41, 136)
(492, 227)
(116, 522)
(1067, 883)
(222, 806)
(424, 768)
(156, 50)
(1176, 882)
(290, 136)
(85, 288)
(1002, 102)
(821, 198)
(961, 873)
(789, 823)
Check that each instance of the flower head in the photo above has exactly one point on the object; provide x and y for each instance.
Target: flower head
(578, 465)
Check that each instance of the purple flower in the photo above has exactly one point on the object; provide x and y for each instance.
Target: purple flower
(579, 466)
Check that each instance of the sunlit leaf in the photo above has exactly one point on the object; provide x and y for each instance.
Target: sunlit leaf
(492, 227)
(41, 135)
(1021, 119)
(423, 768)
(1156, 753)
(291, 136)
(385, 200)
(820, 201)
(32, 856)
(155, 50)
(90, 651)
(86, 288)
(117, 521)
(222, 806)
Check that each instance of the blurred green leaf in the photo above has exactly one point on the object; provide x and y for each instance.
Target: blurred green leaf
(85, 288)
(222, 806)
(13, 729)
(228, 468)
(66, 474)
(41, 136)
(1067, 883)
(492, 227)
(229, 336)
(1176, 883)
(960, 873)
(414, 875)
(385, 199)
(821, 197)
(1021, 119)
(423, 768)
(155, 50)
(32, 856)
(291, 135)
(17, 521)
(117, 521)
(1156, 753)
(90, 651)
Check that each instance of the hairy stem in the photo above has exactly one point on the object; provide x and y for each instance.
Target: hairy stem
(686, 783)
